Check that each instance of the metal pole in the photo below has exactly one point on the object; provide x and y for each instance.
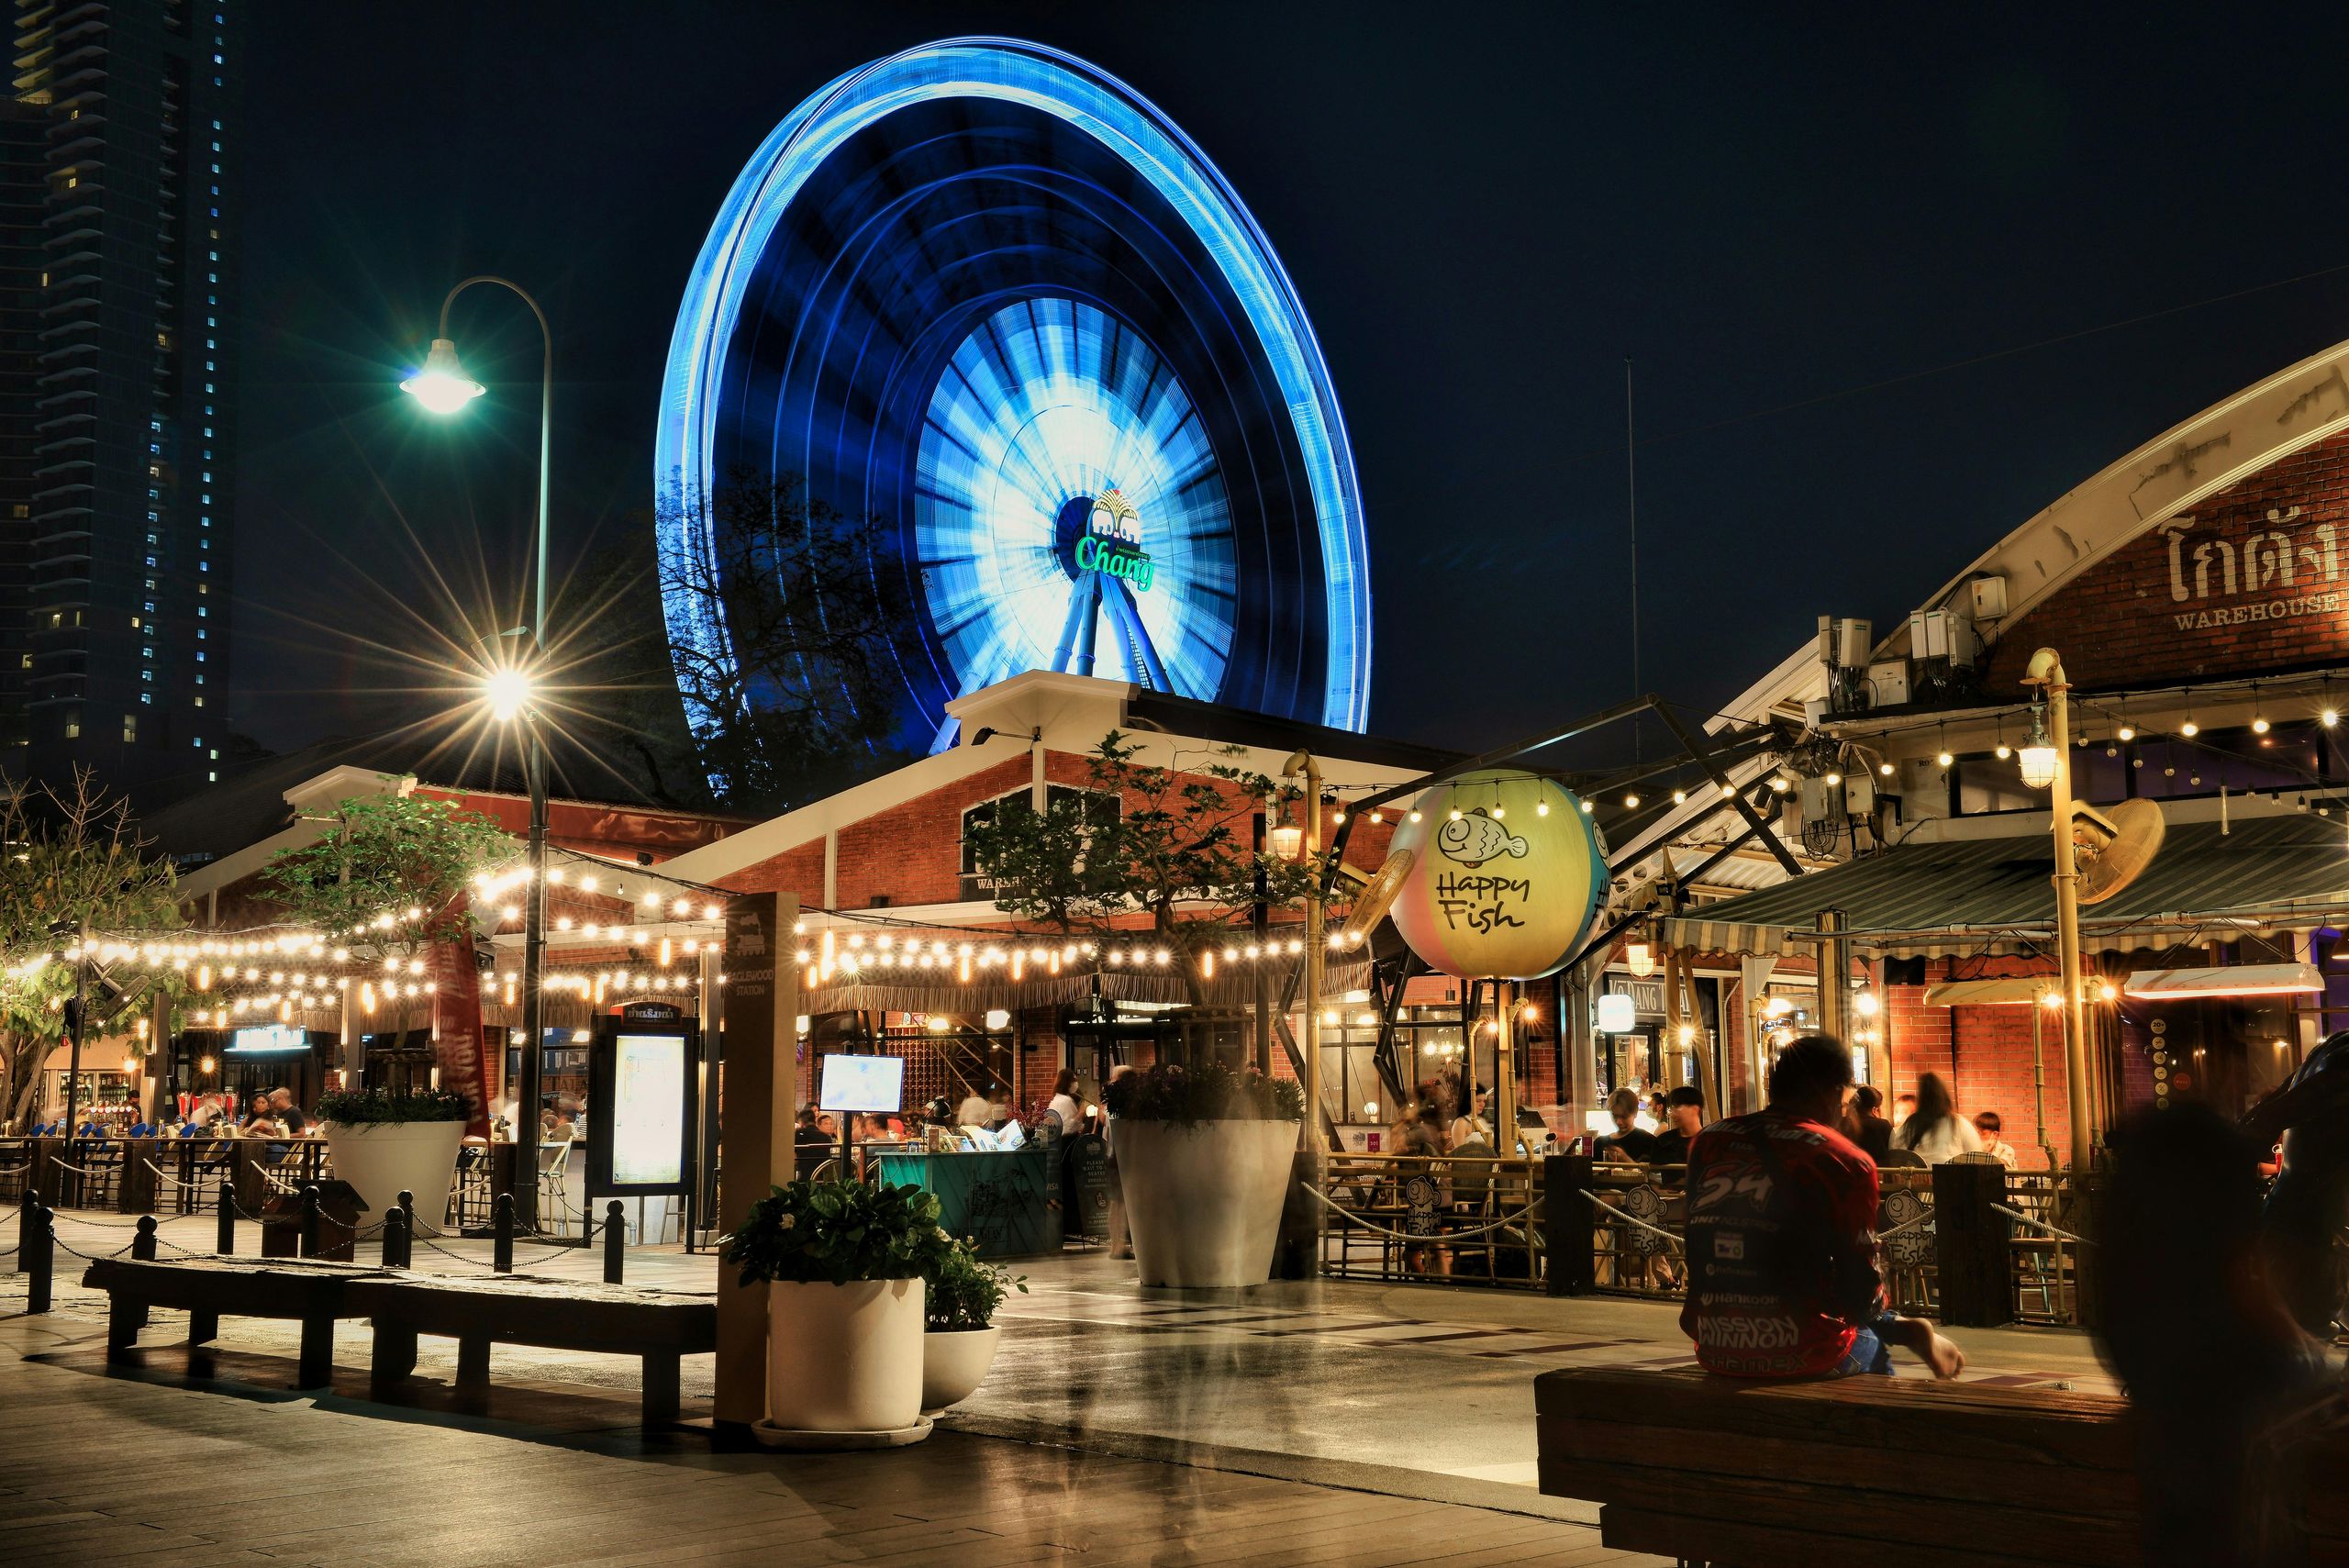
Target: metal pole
(1504, 1073)
(1313, 954)
(81, 1028)
(534, 949)
(2068, 923)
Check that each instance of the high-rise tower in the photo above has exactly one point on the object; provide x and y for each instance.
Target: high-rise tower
(116, 473)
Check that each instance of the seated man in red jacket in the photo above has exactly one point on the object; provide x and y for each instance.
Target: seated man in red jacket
(1782, 1261)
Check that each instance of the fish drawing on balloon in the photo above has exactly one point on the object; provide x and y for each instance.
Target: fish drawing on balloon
(1475, 838)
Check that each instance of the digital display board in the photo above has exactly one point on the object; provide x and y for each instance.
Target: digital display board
(862, 1084)
(644, 1083)
(648, 1121)
(269, 1038)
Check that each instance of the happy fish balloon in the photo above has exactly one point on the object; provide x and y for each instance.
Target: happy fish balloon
(1505, 879)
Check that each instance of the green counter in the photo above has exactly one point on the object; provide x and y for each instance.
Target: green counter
(997, 1198)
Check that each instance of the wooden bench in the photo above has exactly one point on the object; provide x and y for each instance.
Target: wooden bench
(518, 1310)
(1859, 1469)
(208, 1289)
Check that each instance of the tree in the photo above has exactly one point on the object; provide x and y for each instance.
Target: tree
(804, 697)
(73, 862)
(1174, 844)
(388, 854)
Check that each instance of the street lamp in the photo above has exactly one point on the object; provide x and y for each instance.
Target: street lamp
(2047, 760)
(443, 387)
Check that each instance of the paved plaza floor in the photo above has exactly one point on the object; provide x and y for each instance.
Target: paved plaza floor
(1331, 1422)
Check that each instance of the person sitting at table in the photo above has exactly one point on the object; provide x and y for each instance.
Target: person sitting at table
(281, 1106)
(259, 1118)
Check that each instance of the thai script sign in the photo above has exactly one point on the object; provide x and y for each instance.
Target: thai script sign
(2276, 571)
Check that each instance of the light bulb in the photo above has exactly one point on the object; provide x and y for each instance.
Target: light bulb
(2190, 728)
(1540, 808)
(1455, 814)
(2127, 732)
(2259, 724)
(1500, 812)
(2005, 750)
(1944, 758)
(1631, 800)
(1884, 768)
(1415, 816)
(443, 384)
(2329, 718)
(1831, 780)
(1587, 809)
(1679, 797)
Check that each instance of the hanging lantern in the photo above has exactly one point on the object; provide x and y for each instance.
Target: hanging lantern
(1639, 958)
(1499, 890)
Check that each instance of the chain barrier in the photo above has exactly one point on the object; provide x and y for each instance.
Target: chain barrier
(1353, 1218)
(1598, 1202)
(2040, 1225)
(64, 1246)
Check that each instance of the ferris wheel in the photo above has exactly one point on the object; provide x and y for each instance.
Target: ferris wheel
(987, 296)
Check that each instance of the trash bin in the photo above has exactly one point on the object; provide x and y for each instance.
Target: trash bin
(339, 1211)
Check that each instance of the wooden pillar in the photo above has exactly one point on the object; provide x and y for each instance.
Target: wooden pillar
(1970, 1240)
(761, 1083)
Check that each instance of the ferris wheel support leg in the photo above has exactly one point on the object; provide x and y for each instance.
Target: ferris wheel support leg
(1128, 615)
(1074, 654)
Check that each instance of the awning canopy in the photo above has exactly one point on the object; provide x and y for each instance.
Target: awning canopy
(2236, 980)
(1978, 896)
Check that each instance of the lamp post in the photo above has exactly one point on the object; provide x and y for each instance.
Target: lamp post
(443, 387)
(2039, 767)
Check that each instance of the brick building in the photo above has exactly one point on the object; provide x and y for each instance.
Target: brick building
(2195, 591)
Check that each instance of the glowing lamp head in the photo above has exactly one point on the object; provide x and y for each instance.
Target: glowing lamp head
(507, 692)
(443, 384)
(2189, 730)
(2037, 758)
(1287, 841)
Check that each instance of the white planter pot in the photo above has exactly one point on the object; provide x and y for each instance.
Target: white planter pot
(844, 1358)
(954, 1361)
(383, 1160)
(1203, 1202)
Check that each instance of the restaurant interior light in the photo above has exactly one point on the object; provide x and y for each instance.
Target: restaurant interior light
(443, 384)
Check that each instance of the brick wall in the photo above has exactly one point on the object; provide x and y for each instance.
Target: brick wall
(2150, 613)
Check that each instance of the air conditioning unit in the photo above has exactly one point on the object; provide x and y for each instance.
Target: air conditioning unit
(1945, 638)
(1844, 643)
(1887, 684)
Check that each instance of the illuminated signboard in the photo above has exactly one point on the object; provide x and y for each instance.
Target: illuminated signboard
(648, 1121)
(269, 1040)
(643, 1082)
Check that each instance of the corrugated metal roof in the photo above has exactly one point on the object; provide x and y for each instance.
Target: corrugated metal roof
(1950, 897)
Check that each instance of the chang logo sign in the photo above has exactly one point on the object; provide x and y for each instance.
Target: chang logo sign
(1112, 543)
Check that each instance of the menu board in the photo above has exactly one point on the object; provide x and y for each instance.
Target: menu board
(640, 1102)
(648, 1110)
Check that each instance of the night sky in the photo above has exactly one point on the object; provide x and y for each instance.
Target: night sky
(1485, 209)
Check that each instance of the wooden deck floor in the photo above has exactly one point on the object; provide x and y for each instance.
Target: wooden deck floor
(146, 1467)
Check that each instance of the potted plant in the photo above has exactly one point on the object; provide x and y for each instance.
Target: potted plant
(958, 1336)
(388, 1142)
(1206, 1156)
(844, 1264)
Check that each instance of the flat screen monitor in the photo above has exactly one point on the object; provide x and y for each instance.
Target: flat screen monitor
(862, 1084)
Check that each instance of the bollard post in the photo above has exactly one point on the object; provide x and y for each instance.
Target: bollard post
(394, 1237)
(1971, 1252)
(309, 1236)
(615, 1241)
(1566, 1224)
(226, 1241)
(408, 1208)
(39, 1255)
(501, 1245)
(143, 1246)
